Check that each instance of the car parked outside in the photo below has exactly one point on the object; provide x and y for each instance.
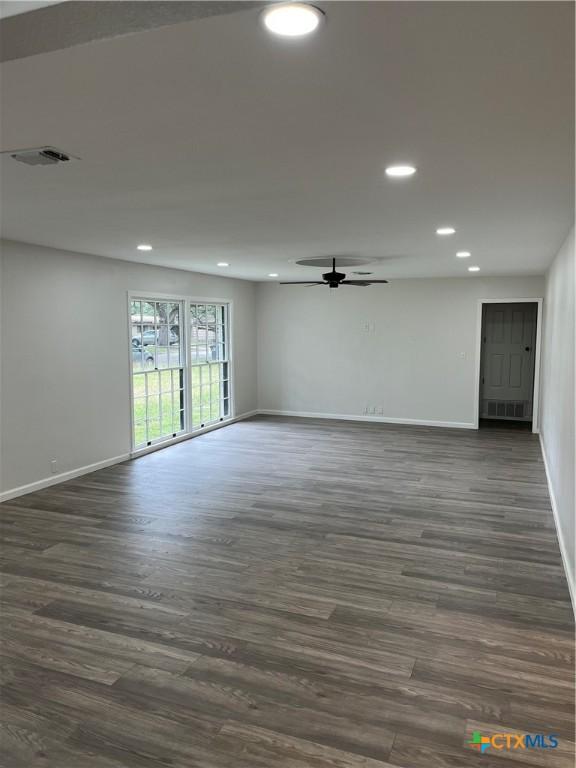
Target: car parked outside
(139, 355)
(152, 336)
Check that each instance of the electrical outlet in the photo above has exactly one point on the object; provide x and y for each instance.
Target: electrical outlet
(54, 466)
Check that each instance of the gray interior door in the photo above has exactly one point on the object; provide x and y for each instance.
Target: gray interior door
(507, 364)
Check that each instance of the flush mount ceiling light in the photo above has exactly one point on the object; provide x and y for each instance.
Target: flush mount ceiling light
(222, 264)
(144, 247)
(292, 19)
(445, 231)
(473, 269)
(400, 171)
(273, 274)
(463, 254)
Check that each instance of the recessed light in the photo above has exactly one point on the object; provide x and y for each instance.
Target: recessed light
(273, 274)
(223, 264)
(400, 171)
(292, 19)
(473, 269)
(144, 247)
(463, 254)
(445, 231)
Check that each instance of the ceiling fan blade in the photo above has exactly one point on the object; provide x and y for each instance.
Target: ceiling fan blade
(302, 282)
(362, 282)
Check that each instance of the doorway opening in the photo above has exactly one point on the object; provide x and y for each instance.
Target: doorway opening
(508, 362)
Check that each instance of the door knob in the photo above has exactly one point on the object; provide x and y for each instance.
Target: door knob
(527, 349)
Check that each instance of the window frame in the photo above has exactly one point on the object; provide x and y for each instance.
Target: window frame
(142, 296)
(226, 360)
(188, 431)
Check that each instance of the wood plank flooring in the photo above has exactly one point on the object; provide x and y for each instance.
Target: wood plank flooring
(290, 593)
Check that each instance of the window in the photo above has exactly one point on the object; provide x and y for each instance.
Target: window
(209, 363)
(157, 370)
(180, 364)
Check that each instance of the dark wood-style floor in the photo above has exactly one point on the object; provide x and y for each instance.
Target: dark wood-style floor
(290, 594)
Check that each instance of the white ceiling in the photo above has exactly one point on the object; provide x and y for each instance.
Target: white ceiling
(214, 141)
(16, 7)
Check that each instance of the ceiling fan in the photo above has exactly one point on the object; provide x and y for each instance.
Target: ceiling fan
(333, 279)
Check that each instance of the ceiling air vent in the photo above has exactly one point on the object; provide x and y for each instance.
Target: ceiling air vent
(40, 156)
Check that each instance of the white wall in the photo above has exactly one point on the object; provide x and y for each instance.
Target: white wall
(558, 396)
(406, 350)
(64, 337)
(415, 362)
(65, 387)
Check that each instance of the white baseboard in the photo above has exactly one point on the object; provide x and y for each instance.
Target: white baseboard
(374, 419)
(561, 542)
(61, 478)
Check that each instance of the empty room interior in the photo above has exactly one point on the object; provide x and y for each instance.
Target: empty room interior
(287, 423)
